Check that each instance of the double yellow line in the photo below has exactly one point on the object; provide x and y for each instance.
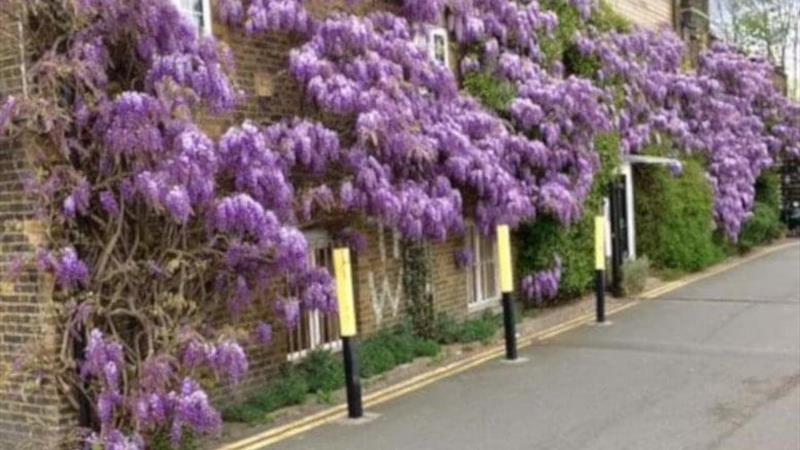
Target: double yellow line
(275, 435)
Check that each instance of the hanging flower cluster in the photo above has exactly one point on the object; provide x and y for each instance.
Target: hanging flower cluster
(542, 286)
(157, 225)
(729, 111)
(421, 149)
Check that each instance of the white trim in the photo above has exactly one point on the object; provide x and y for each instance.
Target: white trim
(641, 159)
(433, 35)
(475, 274)
(630, 212)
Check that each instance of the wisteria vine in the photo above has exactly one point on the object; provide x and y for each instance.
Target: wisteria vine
(155, 226)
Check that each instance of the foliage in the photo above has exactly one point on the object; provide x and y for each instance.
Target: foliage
(763, 227)
(289, 389)
(606, 20)
(390, 348)
(416, 288)
(323, 371)
(550, 254)
(482, 329)
(674, 218)
(493, 93)
(634, 276)
(154, 224)
(768, 189)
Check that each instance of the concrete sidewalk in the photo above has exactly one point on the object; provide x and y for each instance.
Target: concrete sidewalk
(713, 365)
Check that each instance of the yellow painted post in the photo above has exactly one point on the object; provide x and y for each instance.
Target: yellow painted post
(600, 266)
(600, 243)
(344, 292)
(347, 329)
(507, 287)
(504, 258)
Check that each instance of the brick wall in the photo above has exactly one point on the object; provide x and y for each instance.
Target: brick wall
(32, 414)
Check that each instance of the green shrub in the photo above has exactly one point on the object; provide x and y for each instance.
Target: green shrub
(426, 348)
(764, 227)
(446, 330)
(289, 389)
(479, 330)
(674, 218)
(491, 92)
(400, 343)
(482, 329)
(247, 413)
(376, 358)
(634, 276)
(323, 371)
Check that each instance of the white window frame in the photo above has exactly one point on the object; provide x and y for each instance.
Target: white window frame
(192, 15)
(317, 240)
(475, 274)
(439, 33)
(427, 42)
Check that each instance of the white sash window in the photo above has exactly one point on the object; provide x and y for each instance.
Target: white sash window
(483, 278)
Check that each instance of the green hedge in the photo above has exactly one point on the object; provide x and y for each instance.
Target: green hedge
(674, 218)
(765, 226)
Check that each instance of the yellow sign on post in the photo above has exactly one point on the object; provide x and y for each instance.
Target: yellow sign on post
(504, 258)
(600, 243)
(344, 292)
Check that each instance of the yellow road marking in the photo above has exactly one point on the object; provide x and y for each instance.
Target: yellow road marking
(287, 431)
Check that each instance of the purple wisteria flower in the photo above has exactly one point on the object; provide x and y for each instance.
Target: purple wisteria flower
(263, 334)
(542, 286)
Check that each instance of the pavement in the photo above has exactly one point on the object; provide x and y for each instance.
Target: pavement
(714, 365)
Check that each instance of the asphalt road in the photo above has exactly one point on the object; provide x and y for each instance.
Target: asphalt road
(715, 365)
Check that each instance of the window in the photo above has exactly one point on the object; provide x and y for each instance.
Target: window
(196, 11)
(483, 279)
(434, 42)
(438, 45)
(316, 331)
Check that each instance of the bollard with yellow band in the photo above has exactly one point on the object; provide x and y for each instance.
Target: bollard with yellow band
(347, 329)
(600, 266)
(507, 287)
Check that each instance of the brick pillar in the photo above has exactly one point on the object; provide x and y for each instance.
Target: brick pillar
(32, 413)
(693, 25)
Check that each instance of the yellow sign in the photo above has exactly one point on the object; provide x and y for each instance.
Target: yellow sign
(600, 243)
(504, 257)
(344, 292)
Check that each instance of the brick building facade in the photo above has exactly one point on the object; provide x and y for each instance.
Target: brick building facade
(39, 417)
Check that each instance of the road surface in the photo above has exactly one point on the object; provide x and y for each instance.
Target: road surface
(714, 365)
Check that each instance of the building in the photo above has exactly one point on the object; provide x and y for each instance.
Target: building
(40, 416)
